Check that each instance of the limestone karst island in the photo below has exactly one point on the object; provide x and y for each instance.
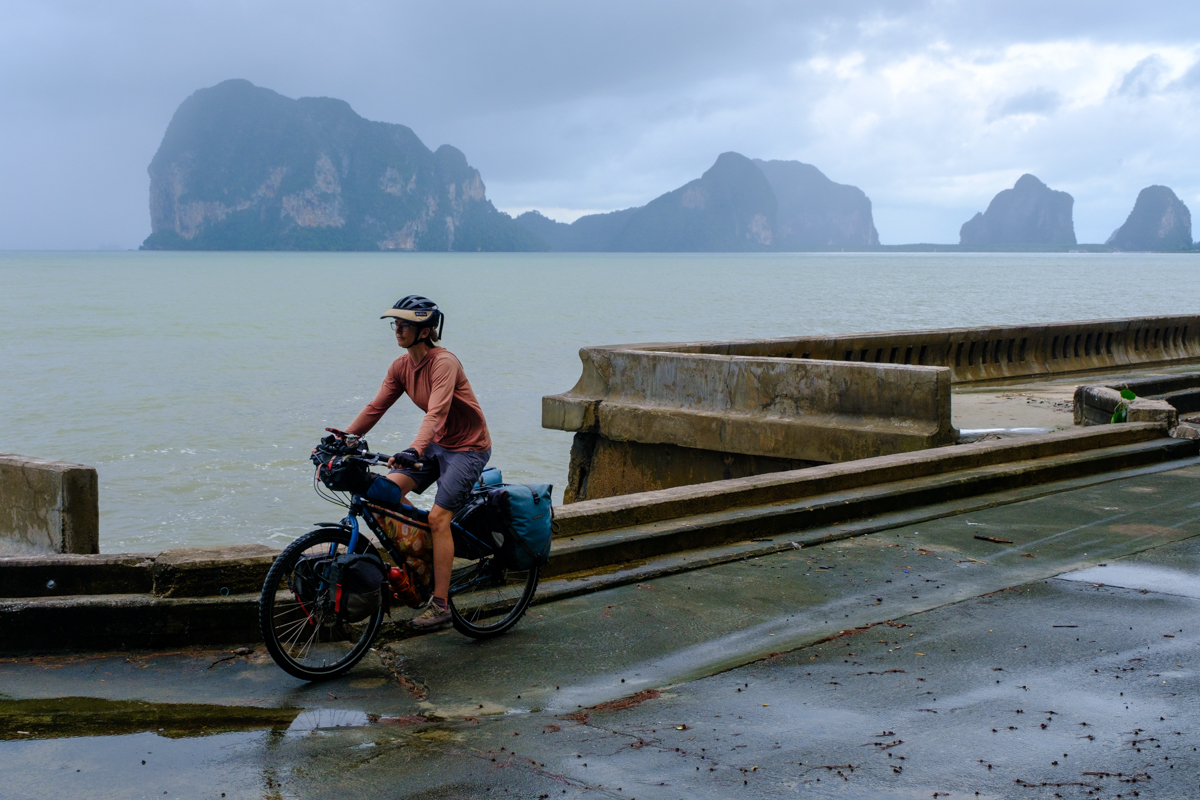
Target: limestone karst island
(244, 168)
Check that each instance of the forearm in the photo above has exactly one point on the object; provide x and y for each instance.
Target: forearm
(365, 420)
(374, 410)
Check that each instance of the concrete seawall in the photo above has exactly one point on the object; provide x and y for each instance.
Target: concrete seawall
(715, 417)
(655, 416)
(47, 507)
(993, 353)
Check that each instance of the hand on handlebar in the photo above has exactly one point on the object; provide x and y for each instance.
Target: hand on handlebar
(408, 459)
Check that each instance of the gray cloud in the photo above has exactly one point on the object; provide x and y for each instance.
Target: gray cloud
(1041, 101)
(1144, 79)
(931, 106)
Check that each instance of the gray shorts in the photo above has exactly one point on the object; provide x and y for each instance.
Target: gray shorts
(455, 471)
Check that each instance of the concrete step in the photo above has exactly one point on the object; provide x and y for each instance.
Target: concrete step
(640, 542)
(117, 622)
(611, 513)
(199, 595)
(186, 572)
(237, 569)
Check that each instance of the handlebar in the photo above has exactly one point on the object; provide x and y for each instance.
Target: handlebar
(380, 460)
(374, 459)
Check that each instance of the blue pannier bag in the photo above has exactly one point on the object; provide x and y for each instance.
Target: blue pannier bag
(491, 477)
(522, 513)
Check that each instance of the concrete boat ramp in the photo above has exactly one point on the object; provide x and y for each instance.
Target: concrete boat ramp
(916, 660)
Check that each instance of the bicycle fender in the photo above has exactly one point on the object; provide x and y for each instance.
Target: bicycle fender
(341, 525)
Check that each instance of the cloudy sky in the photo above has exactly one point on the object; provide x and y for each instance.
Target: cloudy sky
(573, 107)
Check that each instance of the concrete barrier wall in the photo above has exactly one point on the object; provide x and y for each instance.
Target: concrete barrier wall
(995, 353)
(652, 416)
(782, 408)
(1161, 397)
(47, 507)
(714, 416)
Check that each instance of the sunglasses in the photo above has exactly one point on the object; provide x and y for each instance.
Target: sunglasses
(398, 325)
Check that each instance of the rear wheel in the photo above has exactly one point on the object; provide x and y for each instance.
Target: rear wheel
(298, 624)
(486, 599)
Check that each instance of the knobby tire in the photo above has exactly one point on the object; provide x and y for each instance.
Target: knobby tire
(497, 600)
(305, 641)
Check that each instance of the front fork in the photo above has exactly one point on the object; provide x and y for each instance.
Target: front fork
(351, 521)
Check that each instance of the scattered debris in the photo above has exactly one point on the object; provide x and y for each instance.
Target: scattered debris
(584, 716)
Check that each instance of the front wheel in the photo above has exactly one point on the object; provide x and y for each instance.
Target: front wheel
(486, 599)
(298, 624)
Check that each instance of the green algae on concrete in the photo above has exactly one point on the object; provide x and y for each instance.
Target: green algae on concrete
(59, 717)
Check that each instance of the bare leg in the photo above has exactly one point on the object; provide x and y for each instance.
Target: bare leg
(443, 550)
(405, 483)
(443, 540)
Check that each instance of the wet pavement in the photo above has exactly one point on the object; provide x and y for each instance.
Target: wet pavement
(945, 658)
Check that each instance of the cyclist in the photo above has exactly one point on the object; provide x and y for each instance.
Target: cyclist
(452, 445)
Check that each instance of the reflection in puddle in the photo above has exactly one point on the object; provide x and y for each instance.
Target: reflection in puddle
(1140, 576)
(89, 716)
(320, 718)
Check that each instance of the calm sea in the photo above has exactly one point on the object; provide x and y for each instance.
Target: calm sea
(197, 383)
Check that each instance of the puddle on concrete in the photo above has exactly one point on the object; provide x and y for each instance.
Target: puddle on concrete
(1162, 580)
(315, 719)
(322, 719)
(64, 717)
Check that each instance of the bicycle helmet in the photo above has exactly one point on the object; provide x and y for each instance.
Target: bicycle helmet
(421, 311)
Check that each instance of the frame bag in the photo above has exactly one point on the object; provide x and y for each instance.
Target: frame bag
(522, 514)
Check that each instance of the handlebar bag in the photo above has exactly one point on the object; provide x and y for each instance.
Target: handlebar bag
(345, 474)
(522, 513)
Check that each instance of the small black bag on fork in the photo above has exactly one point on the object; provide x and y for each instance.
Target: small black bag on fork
(356, 582)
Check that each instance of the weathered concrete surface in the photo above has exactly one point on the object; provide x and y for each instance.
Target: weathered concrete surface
(191, 595)
(773, 407)
(1017, 407)
(1013, 411)
(47, 507)
(800, 398)
(799, 519)
(1159, 397)
(185, 572)
(1095, 405)
(102, 621)
(601, 467)
(546, 701)
(995, 353)
(654, 506)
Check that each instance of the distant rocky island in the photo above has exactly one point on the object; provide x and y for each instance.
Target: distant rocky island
(738, 205)
(241, 167)
(1029, 213)
(244, 168)
(1159, 221)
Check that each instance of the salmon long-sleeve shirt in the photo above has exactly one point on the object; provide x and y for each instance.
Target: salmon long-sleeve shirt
(439, 387)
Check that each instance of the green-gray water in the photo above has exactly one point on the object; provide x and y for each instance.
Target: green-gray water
(197, 383)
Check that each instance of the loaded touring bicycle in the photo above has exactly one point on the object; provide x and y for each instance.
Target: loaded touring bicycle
(326, 594)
